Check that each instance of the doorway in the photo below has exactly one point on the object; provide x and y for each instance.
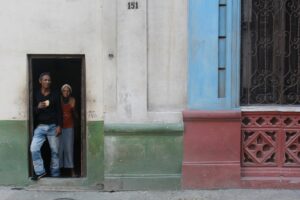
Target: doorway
(63, 69)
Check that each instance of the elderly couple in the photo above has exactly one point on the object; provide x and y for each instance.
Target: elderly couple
(54, 115)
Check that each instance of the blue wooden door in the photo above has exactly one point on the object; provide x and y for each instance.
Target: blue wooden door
(214, 54)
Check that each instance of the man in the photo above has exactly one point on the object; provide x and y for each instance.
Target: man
(48, 116)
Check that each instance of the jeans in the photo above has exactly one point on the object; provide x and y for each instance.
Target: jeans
(66, 148)
(39, 137)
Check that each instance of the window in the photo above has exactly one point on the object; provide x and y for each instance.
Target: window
(270, 71)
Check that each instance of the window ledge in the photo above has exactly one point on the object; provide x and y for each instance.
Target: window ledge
(271, 108)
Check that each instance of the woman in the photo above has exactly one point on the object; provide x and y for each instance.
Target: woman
(66, 157)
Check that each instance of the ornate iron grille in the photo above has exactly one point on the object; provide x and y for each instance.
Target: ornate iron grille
(270, 68)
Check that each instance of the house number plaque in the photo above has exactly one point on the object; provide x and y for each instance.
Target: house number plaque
(133, 5)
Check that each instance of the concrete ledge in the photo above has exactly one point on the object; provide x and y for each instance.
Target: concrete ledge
(212, 145)
(143, 128)
(189, 115)
(63, 184)
(270, 182)
(142, 182)
(211, 176)
(143, 156)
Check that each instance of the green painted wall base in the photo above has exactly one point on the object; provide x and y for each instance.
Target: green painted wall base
(14, 155)
(142, 156)
(149, 182)
(95, 153)
(128, 157)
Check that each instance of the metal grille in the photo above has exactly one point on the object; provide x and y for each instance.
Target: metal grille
(270, 71)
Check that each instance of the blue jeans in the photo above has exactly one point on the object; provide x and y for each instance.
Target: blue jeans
(39, 137)
(66, 148)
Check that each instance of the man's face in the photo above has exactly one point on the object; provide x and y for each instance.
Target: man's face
(45, 81)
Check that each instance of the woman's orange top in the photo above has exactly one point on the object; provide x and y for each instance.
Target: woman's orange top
(67, 109)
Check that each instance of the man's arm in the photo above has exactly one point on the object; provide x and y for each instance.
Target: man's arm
(35, 104)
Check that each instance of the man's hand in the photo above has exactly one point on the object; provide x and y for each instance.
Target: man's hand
(42, 105)
(57, 131)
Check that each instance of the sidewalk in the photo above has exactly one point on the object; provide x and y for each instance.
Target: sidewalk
(10, 193)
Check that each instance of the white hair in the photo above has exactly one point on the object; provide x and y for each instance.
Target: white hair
(68, 86)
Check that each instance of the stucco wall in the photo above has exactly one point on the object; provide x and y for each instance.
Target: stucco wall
(145, 81)
(48, 27)
(145, 78)
(135, 72)
(167, 63)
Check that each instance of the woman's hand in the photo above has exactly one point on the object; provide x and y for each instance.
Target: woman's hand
(57, 131)
(72, 102)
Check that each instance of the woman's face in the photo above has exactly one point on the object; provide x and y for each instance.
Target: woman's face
(66, 92)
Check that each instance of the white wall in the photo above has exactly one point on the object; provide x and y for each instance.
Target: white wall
(48, 27)
(167, 55)
(146, 81)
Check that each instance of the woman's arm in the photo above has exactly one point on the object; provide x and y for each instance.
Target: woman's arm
(73, 105)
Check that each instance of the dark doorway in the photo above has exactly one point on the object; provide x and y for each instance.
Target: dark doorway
(68, 69)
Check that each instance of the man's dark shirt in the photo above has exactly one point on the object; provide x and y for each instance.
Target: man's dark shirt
(51, 114)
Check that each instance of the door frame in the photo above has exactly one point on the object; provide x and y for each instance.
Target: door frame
(83, 131)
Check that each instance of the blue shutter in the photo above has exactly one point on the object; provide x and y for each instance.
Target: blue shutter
(213, 81)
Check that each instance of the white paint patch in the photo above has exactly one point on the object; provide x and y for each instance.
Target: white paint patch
(167, 56)
(144, 79)
(148, 81)
(132, 61)
(48, 27)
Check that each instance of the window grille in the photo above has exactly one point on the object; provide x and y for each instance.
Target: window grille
(270, 58)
